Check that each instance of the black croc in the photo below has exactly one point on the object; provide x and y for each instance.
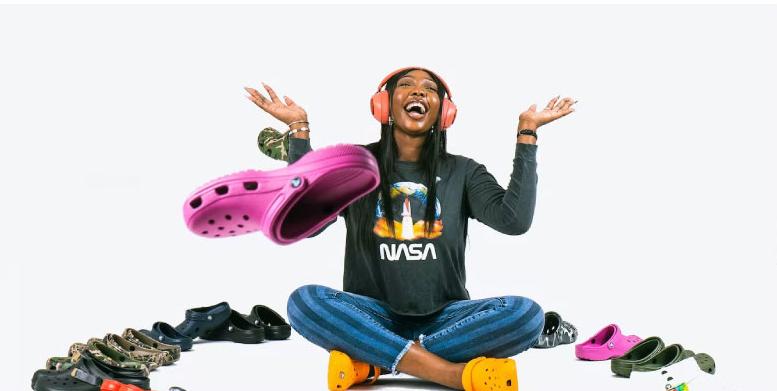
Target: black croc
(203, 319)
(84, 373)
(236, 329)
(275, 327)
(167, 334)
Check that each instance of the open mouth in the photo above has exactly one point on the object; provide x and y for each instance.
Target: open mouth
(416, 110)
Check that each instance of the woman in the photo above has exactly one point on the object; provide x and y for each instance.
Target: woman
(404, 306)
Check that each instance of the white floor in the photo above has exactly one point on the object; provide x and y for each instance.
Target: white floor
(298, 365)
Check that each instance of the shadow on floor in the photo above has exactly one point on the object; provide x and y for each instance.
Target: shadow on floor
(405, 384)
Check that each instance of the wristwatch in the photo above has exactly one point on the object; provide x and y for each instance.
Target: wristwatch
(528, 132)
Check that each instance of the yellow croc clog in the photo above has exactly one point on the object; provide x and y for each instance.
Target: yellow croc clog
(481, 374)
(344, 372)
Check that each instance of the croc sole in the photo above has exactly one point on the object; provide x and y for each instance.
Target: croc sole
(286, 204)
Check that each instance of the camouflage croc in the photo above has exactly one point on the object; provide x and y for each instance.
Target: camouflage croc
(274, 144)
(59, 363)
(105, 354)
(153, 358)
(556, 332)
(85, 368)
(147, 342)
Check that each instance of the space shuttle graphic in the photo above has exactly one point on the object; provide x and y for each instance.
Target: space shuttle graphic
(407, 221)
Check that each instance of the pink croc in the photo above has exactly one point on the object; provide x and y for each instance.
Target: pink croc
(606, 344)
(287, 204)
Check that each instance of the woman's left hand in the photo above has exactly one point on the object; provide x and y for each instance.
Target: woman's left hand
(555, 109)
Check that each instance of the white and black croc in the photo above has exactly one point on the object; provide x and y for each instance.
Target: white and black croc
(690, 373)
(556, 332)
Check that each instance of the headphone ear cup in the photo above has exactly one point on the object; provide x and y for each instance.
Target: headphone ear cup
(448, 113)
(379, 105)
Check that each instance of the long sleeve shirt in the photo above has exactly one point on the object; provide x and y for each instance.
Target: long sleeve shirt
(418, 273)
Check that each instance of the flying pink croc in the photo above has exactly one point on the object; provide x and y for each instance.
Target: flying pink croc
(287, 204)
(606, 344)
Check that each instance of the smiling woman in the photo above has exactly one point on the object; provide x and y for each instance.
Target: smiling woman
(404, 305)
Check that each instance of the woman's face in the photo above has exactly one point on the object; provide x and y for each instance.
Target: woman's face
(415, 104)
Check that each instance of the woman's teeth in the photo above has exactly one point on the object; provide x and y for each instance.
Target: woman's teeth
(416, 105)
(415, 110)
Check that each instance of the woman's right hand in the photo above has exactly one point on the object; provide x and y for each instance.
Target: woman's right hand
(286, 113)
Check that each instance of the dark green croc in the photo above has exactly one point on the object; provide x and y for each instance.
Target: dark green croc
(274, 144)
(640, 354)
(666, 357)
(705, 362)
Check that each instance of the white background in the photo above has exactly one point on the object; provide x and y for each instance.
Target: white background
(655, 203)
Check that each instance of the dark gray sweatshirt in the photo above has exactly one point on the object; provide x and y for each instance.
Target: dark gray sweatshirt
(416, 273)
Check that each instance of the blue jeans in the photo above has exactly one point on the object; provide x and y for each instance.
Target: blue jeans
(366, 330)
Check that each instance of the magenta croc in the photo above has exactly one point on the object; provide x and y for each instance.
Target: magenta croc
(287, 204)
(606, 344)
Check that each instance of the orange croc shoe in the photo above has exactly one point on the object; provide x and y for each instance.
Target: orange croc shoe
(482, 374)
(113, 385)
(345, 372)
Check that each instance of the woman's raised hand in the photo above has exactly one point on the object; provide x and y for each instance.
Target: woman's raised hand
(555, 109)
(287, 112)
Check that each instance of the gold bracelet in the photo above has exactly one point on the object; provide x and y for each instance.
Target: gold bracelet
(302, 129)
(298, 122)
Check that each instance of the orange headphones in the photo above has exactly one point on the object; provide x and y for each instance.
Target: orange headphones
(379, 104)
